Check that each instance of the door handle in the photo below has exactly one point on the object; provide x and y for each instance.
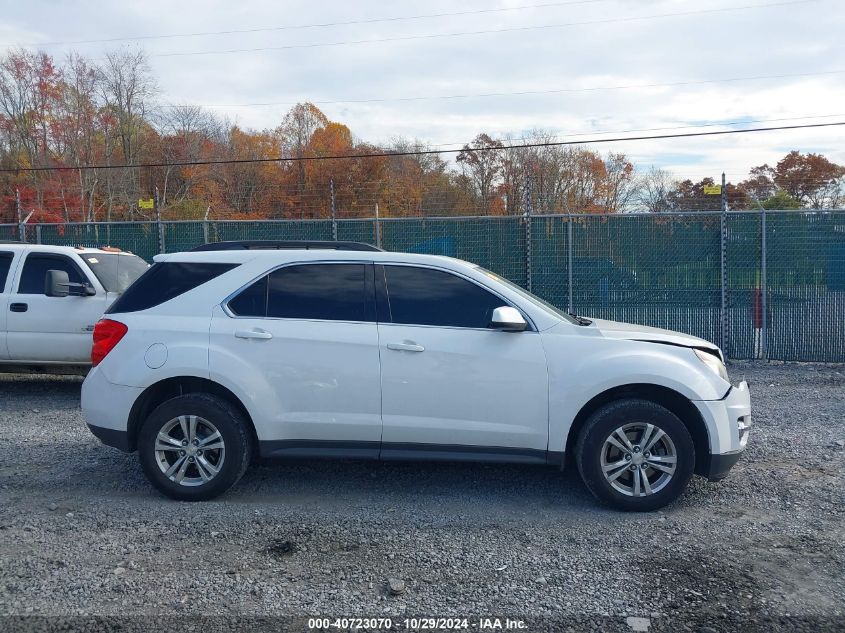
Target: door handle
(405, 347)
(18, 307)
(259, 334)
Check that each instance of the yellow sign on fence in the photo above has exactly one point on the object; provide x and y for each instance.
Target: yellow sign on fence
(712, 190)
(146, 203)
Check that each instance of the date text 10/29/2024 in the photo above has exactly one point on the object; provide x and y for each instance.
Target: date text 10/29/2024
(417, 624)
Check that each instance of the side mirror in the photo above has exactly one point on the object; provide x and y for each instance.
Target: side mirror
(56, 284)
(507, 319)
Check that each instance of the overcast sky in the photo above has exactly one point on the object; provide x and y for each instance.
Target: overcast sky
(578, 49)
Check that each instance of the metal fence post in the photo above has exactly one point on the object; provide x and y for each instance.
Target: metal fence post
(205, 225)
(569, 258)
(37, 233)
(334, 212)
(723, 244)
(527, 221)
(764, 288)
(159, 225)
(19, 211)
(378, 228)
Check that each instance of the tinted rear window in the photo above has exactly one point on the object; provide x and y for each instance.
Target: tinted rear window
(328, 292)
(165, 281)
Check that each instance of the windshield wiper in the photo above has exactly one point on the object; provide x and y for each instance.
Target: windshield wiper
(579, 319)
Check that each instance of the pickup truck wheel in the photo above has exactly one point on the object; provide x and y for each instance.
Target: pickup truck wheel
(194, 447)
(635, 455)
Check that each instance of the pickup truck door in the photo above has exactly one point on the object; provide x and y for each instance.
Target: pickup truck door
(7, 258)
(51, 329)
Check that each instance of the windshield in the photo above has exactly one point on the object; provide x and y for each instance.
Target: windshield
(116, 271)
(522, 292)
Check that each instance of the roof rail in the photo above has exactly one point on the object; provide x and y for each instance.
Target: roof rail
(239, 245)
(12, 242)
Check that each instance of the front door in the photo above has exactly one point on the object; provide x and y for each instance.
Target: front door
(303, 341)
(42, 328)
(452, 387)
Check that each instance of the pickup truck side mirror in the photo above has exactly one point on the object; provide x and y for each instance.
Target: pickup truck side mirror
(507, 319)
(57, 284)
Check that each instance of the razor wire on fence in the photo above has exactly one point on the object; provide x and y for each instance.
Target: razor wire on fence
(782, 294)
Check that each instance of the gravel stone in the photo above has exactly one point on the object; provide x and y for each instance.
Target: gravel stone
(396, 586)
(735, 555)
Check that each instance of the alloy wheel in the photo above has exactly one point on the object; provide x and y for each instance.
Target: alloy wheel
(189, 450)
(638, 459)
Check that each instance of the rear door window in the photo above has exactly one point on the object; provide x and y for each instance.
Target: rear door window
(326, 292)
(165, 281)
(35, 268)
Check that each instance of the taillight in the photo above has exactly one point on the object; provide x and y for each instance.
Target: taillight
(107, 334)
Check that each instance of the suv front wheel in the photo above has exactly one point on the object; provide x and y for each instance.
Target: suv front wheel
(194, 447)
(635, 455)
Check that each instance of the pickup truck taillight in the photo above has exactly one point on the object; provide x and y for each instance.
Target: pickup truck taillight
(107, 334)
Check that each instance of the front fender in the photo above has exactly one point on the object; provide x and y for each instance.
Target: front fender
(582, 367)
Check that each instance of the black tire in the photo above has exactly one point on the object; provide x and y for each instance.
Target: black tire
(232, 428)
(599, 427)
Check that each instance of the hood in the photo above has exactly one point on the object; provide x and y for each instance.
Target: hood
(632, 332)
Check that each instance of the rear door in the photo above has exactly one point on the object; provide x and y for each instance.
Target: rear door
(302, 342)
(51, 329)
(7, 258)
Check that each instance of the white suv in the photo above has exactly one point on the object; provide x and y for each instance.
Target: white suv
(213, 358)
(50, 299)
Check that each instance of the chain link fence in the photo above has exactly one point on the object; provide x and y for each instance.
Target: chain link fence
(780, 295)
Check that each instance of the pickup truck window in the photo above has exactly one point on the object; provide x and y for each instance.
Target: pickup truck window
(115, 272)
(35, 269)
(5, 264)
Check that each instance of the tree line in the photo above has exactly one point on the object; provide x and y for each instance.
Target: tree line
(77, 112)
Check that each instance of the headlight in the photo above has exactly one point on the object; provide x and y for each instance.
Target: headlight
(713, 363)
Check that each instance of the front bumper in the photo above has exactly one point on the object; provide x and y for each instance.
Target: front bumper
(728, 423)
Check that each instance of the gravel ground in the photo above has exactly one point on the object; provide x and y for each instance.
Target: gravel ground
(83, 534)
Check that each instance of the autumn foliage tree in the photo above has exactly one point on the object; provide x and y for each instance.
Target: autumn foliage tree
(101, 121)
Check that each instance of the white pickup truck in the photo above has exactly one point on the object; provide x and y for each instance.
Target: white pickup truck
(50, 299)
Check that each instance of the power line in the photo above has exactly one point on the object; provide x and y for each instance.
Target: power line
(281, 159)
(316, 25)
(521, 92)
(513, 29)
(659, 129)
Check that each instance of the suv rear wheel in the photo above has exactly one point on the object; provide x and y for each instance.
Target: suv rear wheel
(635, 455)
(194, 447)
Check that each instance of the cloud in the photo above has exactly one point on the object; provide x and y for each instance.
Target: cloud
(778, 40)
